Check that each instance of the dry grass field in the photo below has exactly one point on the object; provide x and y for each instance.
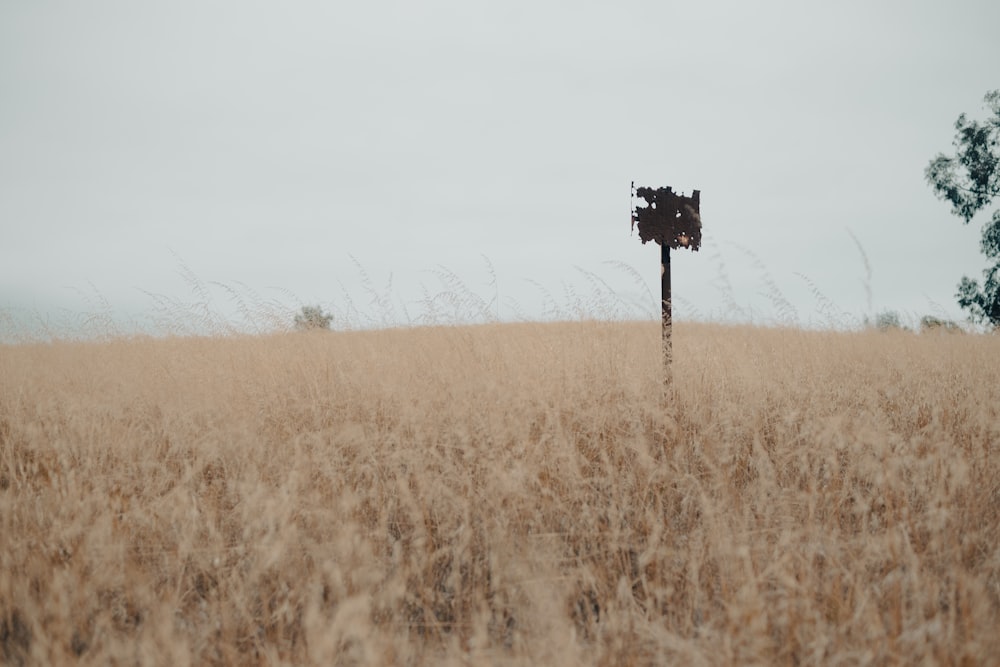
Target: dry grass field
(502, 494)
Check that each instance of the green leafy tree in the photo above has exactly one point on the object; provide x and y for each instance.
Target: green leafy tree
(970, 180)
(312, 317)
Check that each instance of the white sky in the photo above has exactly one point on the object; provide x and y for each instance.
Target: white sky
(263, 145)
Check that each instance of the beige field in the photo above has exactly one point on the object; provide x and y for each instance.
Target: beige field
(503, 494)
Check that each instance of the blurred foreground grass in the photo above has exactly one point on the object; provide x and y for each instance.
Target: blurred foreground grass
(502, 494)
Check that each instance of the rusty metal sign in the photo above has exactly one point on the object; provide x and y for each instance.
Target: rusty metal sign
(669, 218)
(673, 221)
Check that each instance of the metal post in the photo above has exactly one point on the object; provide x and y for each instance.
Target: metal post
(667, 316)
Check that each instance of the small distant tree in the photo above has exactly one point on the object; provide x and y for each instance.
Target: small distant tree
(929, 323)
(969, 181)
(312, 317)
(889, 320)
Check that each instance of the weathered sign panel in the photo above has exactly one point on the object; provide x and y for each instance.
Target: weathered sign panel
(669, 218)
(673, 221)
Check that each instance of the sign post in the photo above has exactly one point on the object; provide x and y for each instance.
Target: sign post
(673, 221)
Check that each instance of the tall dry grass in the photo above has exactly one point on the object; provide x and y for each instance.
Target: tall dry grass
(502, 494)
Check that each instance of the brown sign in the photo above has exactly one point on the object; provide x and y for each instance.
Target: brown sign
(668, 218)
(673, 221)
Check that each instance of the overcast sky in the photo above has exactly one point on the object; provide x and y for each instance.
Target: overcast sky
(147, 148)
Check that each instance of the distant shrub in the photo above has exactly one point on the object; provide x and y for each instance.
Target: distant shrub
(889, 320)
(312, 317)
(929, 323)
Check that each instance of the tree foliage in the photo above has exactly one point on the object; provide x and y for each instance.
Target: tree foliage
(312, 317)
(970, 180)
